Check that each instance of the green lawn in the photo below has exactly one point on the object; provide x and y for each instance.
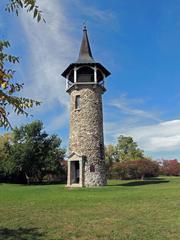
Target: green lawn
(124, 210)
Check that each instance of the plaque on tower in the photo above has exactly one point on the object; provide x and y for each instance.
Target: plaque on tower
(92, 168)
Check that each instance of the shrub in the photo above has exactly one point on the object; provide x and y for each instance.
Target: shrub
(135, 169)
(170, 168)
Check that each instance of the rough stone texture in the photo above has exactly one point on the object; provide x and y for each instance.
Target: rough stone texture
(86, 132)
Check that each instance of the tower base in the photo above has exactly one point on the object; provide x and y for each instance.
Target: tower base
(81, 174)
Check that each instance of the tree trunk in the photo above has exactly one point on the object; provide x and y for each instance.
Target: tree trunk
(27, 179)
(142, 177)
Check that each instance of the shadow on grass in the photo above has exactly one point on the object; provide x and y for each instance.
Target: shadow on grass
(34, 184)
(20, 234)
(44, 183)
(142, 182)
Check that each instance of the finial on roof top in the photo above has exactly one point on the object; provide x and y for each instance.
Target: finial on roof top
(84, 26)
(85, 55)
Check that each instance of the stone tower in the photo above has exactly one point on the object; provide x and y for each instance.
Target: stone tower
(85, 85)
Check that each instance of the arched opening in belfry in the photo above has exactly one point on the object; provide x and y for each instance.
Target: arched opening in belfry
(85, 74)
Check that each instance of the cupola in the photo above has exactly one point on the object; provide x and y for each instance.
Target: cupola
(85, 70)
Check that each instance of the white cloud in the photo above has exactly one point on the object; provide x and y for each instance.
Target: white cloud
(126, 106)
(164, 136)
(160, 137)
(51, 48)
(153, 135)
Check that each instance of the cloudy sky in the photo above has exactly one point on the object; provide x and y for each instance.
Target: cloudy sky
(137, 41)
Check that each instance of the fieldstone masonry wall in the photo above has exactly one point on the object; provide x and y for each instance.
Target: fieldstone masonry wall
(86, 132)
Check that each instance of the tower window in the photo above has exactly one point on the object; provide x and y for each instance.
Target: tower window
(77, 102)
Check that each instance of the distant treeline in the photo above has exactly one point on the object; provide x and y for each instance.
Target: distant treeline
(125, 160)
(29, 155)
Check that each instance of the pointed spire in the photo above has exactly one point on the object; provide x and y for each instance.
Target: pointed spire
(85, 55)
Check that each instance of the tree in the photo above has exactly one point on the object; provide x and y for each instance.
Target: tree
(6, 166)
(170, 167)
(34, 153)
(127, 149)
(119, 170)
(137, 169)
(110, 156)
(126, 159)
(29, 5)
(145, 168)
(9, 88)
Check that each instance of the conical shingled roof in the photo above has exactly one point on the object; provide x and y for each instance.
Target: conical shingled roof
(85, 55)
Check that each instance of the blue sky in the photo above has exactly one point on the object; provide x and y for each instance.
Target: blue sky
(137, 41)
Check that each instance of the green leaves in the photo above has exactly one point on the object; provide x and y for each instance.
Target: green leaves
(8, 88)
(29, 5)
(127, 149)
(33, 152)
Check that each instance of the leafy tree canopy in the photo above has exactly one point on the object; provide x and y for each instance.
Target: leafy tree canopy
(34, 153)
(6, 165)
(127, 149)
(170, 167)
(110, 157)
(136, 169)
(29, 5)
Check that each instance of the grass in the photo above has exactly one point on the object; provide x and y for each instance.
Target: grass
(124, 210)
